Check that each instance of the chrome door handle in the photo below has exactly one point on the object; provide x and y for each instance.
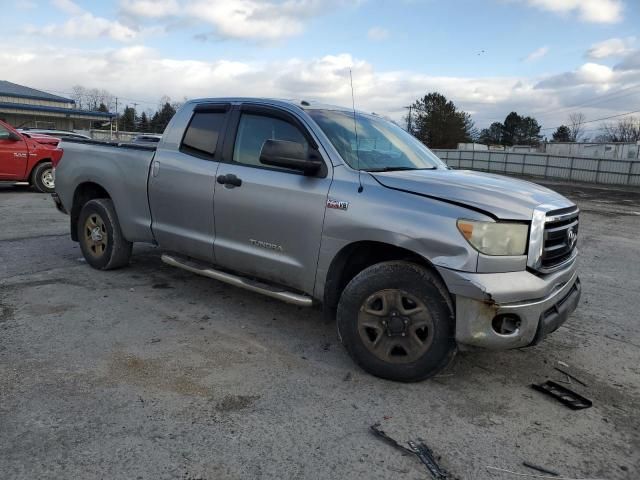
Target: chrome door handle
(155, 169)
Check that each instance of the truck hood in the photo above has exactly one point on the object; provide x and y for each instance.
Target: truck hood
(502, 197)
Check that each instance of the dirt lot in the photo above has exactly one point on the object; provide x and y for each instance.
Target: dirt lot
(151, 373)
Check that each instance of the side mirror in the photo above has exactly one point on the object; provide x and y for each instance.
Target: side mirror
(281, 153)
(15, 137)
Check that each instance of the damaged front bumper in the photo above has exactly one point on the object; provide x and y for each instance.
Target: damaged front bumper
(511, 310)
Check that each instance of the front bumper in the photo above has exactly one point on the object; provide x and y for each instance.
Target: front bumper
(535, 305)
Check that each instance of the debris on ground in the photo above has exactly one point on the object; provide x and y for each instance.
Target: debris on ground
(417, 448)
(571, 376)
(540, 469)
(519, 474)
(568, 397)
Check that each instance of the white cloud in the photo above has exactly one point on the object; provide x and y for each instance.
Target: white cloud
(378, 34)
(86, 26)
(68, 6)
(240, 19)
(589, 73)
(613, 47)
(142, 73)
(596, 11)
(150, 8)
(537, 54)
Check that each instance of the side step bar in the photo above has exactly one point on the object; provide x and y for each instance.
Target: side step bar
(237, 281)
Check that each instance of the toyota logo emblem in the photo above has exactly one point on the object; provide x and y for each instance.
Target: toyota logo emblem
(572, 237)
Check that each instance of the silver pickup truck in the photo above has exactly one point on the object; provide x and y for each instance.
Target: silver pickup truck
(320, 205)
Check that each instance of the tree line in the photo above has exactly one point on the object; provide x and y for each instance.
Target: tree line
(128, 118)
(433, 119)
(438, 123)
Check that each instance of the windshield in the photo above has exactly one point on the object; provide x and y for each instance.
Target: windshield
(381, 145)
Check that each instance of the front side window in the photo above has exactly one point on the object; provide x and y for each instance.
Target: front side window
(368, 142)
(203, 132)
(254, 130)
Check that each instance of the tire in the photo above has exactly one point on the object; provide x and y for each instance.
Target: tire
(396, 321)
(42, 177)
(101, 240)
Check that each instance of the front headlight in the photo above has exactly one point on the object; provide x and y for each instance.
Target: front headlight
(493, 238)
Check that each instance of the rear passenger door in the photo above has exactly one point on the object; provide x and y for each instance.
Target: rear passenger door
(181, 183)
(268, 220)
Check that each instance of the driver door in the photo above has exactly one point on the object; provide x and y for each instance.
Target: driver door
(13, 156)
(269, 220)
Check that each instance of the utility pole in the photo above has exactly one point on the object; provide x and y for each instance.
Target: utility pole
(409, 119)
(116, 117)
(135, 114)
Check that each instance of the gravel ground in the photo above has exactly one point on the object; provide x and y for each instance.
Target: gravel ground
(150, 372)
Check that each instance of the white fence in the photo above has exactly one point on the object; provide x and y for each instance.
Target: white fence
(556, 167)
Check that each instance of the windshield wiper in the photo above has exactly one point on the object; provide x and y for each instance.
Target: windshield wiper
(394, 169)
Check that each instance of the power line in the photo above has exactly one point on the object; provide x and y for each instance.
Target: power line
(607, 96)
(598, 119)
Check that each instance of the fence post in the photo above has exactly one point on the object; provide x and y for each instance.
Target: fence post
(571, 168)
(598, 171)
(629, 172)
(524, 162)
(546, 166)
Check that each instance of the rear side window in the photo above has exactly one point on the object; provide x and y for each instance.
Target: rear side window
(203, 132)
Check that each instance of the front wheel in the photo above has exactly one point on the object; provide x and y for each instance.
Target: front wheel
(42, 178)
(396, 321)
(101, 240)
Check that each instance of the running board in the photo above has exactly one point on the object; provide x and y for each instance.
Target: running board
(237, 281)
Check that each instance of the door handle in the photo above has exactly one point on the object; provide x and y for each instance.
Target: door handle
(229, 180)
(156, 169)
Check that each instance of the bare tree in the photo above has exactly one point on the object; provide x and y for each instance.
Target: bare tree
(78, 94)
(624, 130)
(108, 99)
(576, 128)
(93, 98)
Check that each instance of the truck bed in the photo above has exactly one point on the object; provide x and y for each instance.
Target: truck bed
(121, 169)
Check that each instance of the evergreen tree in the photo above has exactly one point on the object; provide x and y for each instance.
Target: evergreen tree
(127, 121)
(438, 123)
(144, 125)
(165, 114)
(491, 135)
(562, 134)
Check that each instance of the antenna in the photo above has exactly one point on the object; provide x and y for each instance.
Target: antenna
(355, 129)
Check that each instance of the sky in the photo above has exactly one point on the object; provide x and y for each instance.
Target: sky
(544, 58)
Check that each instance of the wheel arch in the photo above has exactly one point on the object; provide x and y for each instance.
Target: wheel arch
(355, 257)
(83, 193)
(32, 171)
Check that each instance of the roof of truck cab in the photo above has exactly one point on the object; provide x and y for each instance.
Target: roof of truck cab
(302, 104)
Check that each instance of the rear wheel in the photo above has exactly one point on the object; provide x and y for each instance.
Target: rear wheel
(396, 321)
(42, 177)
(101, 240)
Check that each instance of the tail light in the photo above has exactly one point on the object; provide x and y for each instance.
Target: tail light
(56, 156)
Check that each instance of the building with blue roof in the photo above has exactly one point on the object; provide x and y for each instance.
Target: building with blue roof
(25, 107)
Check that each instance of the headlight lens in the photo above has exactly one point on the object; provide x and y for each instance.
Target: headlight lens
(493, 238)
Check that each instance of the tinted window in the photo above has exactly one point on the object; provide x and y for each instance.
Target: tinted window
(254, 130)
(4, 133)
(203, 132)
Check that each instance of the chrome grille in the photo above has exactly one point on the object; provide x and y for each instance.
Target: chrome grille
(560, 237)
